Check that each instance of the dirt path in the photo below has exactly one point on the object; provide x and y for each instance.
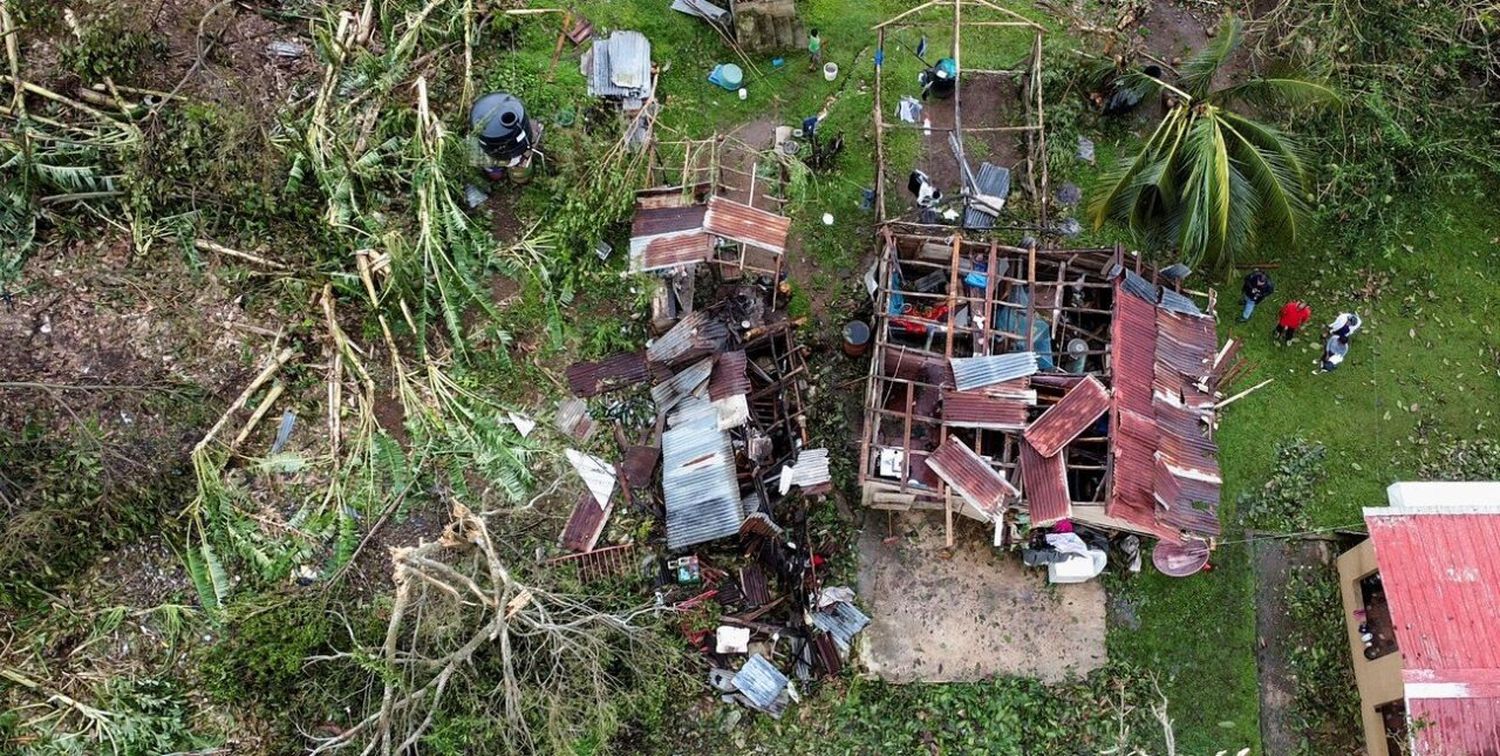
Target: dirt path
(971, 616)
(1273, 560)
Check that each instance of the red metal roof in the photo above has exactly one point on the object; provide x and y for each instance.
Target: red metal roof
(586, 524)
(977, 409)
(745, 224)
(972, 477)
(1441, 574)
(671, 250)
(1045, 481)
(1071, 416)
(666, 220)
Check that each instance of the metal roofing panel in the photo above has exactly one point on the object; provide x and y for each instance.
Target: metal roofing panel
(915, 365)
(654, 221)
(597, 474)
(673, 390)
(977, 372)
(1086, 402)
(617, 371)
(639, 466)
(1441, 575)
(1045, 483)
(1178, 302)
(585, 524)
(620, 66)
(972, 477)
(696, 335)
(699, 485)
(809, 472)
(761, 683)
(994, 181)
(978, 409)
(747, 225)
(728, 377)
(1140, 287)
(648, 253)
(843, 621)
(754, 586)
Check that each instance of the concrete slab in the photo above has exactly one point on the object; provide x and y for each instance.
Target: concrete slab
(972, 616)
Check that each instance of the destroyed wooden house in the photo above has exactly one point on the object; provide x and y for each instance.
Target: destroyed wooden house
(1026, 386)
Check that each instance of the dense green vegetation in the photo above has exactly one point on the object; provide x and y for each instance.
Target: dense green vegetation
(456, 327)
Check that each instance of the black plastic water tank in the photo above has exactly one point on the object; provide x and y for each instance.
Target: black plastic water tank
(499, 121)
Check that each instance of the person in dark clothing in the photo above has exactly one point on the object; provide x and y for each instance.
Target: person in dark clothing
(1257, 287)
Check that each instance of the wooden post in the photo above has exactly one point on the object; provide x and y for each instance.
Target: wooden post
(1031, 296)
(879, 134)
(958, 243)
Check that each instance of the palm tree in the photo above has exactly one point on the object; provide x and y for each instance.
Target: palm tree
(1211, 181)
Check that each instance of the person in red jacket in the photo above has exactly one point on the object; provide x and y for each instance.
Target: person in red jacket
(1294, 315)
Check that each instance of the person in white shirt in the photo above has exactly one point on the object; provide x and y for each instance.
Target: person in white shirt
(1345, 325)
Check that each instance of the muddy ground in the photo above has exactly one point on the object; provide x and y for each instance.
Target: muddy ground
(1273, 561)
(972, 615)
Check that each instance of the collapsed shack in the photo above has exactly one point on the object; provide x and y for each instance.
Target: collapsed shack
(1026, 387)
(1013, 146)
(618, 68)
(724, 385)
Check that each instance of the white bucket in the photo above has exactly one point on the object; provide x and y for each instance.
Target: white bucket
(830, 71)
(744, 93)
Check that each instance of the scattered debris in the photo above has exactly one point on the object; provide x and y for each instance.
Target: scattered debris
(1085, 150)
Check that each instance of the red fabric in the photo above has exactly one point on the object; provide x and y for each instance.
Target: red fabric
(1295, 314)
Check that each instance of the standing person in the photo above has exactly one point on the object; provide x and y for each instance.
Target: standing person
(1294, 315)
(1257, 286)
(1346, 324)
(814, 50)
(1334, 351)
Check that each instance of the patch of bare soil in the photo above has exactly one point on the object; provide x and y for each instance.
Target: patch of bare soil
(1273, 560)
(973, 615)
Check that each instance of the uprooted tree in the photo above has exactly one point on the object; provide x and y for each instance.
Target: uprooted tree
(465, 633)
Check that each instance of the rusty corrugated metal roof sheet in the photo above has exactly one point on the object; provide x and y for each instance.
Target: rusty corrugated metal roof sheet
(747, 225)
(699, 485)
(698, 334)
(654, 221)
(585, 524)
(648, 253)
(1441, 574)
(1086, 402)
(978, 409)
(1044, 480)
(914, 365)
(668, 393)
(618, 371)
(728, 377)
(972, 477)
(639, 466)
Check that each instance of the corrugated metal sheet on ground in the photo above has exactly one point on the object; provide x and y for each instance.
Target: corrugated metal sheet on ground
(978, 372)
(618, 371)
(597, 474)
(1044, 482)
(747, 225)
(673, 390)
(1441, 575)
(585, 524)
(992, 180)
(977, 409)
(704, 10)
(761, 683)
(1086, 402)
(573, 418)
(843, 621)
(648, 253)
(972, 477)
(809, 473)
(753, 584)
(696, 335)
(728, 377)
(699, 485)
(640, 465)
(621, 66)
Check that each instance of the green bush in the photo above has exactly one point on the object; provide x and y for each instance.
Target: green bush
(111, 46)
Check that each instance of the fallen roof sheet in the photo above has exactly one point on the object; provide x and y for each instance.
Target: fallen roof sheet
(1085, 403)
(978, 409)
(704, 10)
(809, 473)
(1440, 570)
(747, 225)
(762, 684)
(619, 66)
(728, 377)
(655, 221)
(585, 524)
(843, 621)
(597, 474)
(649, 253)
(992, 180)
(972, 477)
(1044, 480)
(586, 379)
(978, 372)
(699, 485)
(696, 335)
(672, 391)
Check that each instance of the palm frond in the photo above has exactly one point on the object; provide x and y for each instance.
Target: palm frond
(1198, 73)
(1287, 90)
(1274, 182)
